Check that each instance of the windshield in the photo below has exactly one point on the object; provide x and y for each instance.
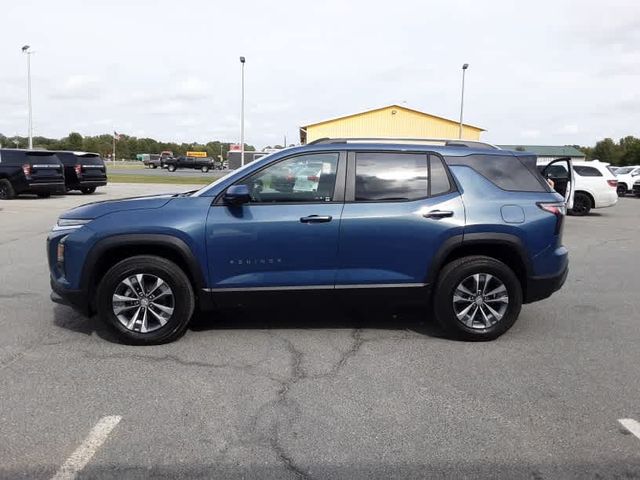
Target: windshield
(623, 170)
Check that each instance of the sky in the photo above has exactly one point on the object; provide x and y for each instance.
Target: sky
(541, 72)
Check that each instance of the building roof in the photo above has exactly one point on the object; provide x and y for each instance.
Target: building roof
(547, 150)
(384, 108)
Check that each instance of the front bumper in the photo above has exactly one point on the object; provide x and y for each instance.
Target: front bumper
(77, 299)
(539, 288)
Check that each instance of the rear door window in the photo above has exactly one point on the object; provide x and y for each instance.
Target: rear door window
(439, 179)
(391, 176)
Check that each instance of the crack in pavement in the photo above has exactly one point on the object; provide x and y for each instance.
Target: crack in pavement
(249, 369)
(298, 373)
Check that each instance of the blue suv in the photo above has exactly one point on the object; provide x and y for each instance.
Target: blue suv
(468, 229)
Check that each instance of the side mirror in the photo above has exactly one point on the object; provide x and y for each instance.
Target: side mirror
(237, 195)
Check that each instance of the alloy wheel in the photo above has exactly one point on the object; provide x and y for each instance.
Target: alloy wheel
(480, 301)
(143, 303)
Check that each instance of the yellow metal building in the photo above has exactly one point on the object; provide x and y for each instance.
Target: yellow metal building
(393, 121)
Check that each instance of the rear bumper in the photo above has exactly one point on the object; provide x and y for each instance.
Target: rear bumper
(47, 187)
(608, 199)
(539, 288)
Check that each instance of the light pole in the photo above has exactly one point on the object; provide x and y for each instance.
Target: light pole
(242, 60)
(28, 53)
(464, 69)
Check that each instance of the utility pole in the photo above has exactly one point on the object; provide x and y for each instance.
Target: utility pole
(26, 50)
(464, 69)
(242, 60)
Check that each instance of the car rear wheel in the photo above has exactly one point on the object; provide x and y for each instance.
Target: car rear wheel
(581, 205)
(88, 190)
(477, 298)
(204, 169)
(146, 300)
(171, 168)
(6, 190)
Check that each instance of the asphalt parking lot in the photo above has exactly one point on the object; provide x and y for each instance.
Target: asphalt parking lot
(305, 393)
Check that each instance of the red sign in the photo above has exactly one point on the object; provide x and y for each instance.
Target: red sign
(235, 147)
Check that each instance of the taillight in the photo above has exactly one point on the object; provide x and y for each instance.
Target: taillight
(313, 178)
(613, 183)
(559, 209)
(78, 169)
(26, 168)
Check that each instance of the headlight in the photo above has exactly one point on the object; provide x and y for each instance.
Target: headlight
(69, 224)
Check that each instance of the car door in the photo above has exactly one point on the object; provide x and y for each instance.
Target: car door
(284, 237)
(400, 208)
(560, 172)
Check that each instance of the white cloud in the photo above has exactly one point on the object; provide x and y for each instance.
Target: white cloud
(192, 88)
(530, 133)
(570, 129)
(80, 87)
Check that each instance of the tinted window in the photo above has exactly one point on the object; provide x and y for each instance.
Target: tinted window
(554, 171)
(587, 171)
(506, 171)
(391, 176)
(305, 178)
(439, 179)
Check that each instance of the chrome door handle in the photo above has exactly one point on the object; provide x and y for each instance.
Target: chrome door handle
(316, 219)
(438, 214)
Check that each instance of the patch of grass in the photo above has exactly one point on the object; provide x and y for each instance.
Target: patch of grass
(125, 166)
(132, 178)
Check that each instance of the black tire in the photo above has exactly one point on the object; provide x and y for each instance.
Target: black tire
(171, 168)
(88, 190)
(581, 205)
(44, 194)
(204, 169)
(455, 273)
(154, 166)
(621, 189)
(171, 274)
(6, 190)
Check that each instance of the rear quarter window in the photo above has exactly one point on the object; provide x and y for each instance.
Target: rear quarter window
(587, 171)
(505, 171)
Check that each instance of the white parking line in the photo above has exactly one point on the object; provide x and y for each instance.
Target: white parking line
(631, 425)
(79, 459)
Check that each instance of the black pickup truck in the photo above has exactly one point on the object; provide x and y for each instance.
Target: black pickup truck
(204, 164)
(30, 171)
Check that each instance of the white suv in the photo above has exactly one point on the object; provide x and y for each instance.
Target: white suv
(594, 185)
(627, 176)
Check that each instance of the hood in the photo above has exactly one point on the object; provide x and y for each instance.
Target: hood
(94, 210)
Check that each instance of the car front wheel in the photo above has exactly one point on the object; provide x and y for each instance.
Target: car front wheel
(204, 169)
(88, 190)
(146, 300)
(171, 168)
(477, 298)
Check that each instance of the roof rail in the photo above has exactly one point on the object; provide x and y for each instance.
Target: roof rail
(447, 142)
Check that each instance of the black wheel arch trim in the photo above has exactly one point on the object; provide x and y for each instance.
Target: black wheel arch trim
(473, 239)
(177, 245)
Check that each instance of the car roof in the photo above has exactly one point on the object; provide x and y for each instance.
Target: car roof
(454, 151)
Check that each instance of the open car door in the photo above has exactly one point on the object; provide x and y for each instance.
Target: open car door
(560, 174)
